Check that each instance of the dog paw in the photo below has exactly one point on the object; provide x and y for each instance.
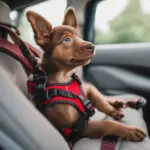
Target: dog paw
(116, 114)
(116, 103)
(134, 134)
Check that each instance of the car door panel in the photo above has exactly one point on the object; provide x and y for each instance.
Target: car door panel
(117, 78)
(122, 69)
(123, 54)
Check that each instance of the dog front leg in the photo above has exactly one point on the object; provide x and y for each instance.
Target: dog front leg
(99, 101)
(98, 129)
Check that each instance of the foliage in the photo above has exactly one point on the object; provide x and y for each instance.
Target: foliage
(132, 25)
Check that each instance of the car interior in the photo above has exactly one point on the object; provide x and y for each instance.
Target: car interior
(118, 69)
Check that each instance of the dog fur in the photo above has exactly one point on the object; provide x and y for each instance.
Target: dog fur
(64, 50)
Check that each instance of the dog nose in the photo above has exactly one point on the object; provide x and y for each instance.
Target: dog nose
(90, 47)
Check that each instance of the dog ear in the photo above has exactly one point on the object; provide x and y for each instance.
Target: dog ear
(41, 27)
(70, 18)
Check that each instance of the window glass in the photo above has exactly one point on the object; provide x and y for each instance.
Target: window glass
(122, 21)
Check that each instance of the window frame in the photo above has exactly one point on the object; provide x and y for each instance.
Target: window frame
(89, 19)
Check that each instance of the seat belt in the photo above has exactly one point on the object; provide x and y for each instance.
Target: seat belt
(21, 51)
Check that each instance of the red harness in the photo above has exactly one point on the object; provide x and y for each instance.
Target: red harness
(67, 93)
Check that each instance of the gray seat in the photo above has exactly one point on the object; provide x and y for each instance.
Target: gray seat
(132, 117)
(21, 125)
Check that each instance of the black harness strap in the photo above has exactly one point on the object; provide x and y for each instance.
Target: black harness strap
(58, 92)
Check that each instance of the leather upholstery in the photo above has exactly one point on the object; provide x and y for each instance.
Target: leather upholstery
(132, 117)
(22, 123)
(4, 17)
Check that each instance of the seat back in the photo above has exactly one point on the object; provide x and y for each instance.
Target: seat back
(14, 69)
(22, 127)
(19, 50)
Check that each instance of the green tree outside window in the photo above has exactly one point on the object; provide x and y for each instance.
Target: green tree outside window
(131, 26)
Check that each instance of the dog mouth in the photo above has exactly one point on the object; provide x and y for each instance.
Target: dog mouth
(80, 61)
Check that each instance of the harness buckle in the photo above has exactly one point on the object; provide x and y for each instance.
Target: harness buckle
(63, 93)
(88, 106)
(47, 95)
(53, 92)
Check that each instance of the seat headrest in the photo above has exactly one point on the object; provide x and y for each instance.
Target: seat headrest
(4, 13)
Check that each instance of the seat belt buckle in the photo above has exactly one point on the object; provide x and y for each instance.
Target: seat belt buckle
(109, 143)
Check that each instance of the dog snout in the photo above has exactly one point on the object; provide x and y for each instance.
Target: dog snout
(90, 47)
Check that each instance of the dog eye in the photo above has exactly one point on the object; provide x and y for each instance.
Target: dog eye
(67, 39)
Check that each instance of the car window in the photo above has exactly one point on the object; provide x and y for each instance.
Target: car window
(122, 21)
(50, 10)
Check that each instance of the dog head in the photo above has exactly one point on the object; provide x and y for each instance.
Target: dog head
(62, 45)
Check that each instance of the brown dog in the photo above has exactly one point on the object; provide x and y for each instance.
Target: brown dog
(64, 50)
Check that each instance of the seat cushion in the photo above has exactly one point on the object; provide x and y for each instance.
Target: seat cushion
(126, 97)
(132, 117)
